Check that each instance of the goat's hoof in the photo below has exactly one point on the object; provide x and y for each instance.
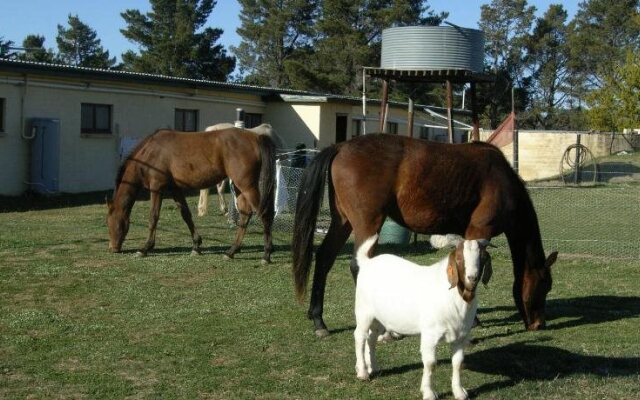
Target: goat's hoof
(322, 333)
(429, 395)
(363, 376)
(461, 394)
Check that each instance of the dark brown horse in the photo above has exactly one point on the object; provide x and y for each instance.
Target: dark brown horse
(467, 189)
(170, 161)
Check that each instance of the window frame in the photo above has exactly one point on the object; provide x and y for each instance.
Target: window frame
(184, 112)
(392, 128)
(251, 120)
(94, 129)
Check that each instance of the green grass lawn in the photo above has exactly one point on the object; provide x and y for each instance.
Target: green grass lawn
(78, 322)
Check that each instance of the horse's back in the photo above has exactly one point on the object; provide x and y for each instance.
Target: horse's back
(430, 187)
(195, 159)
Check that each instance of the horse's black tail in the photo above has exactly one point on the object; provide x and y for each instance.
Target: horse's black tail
(308, 204)
(267, 180)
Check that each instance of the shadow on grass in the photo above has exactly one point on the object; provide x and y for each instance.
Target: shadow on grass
(535, 362)
(588, 310)
(33, 201)
(531, 361)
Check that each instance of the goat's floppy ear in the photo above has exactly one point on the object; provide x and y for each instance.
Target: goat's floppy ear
(487, 271)
(452, 270)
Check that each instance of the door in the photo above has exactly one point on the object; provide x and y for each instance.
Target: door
(341, 127)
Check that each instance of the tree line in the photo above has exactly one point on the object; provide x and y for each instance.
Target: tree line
(578, 73)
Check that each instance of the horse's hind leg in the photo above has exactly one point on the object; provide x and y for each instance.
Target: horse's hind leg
(154, 214)
(326, 254)
(181, 202)
(245, 212)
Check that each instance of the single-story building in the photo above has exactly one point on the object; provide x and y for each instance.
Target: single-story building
(63, 128)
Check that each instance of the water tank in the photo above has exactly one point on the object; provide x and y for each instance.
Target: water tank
(432, 48)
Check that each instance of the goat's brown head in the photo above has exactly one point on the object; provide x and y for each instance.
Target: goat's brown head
(469, 264)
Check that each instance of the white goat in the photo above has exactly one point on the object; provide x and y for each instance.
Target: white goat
(436, 302)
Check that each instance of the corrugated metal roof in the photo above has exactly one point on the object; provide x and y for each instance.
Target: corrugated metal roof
(137, 77)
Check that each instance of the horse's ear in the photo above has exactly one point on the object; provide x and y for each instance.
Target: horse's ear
(551, 259)
(452, 270)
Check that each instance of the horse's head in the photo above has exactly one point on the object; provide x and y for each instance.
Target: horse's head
(118, 224)
(535, 287)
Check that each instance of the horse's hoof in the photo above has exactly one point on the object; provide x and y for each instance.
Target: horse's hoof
(227, 257)
(196, 252)
(140, 254)
(322, 333)
(265, 262)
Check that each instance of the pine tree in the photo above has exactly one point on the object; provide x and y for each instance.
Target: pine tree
(547, 58)
(79, 46)
(34, 50)
(274, 33)
(173, 42)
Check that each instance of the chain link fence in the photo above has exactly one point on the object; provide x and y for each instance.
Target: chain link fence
(586, 218)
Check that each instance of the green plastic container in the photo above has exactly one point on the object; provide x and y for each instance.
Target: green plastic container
(393, 233)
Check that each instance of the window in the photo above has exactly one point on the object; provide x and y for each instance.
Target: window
(95, 118)
(186, 120)
(251, 120)
(2, 113)
(424, 132)
(356, 127)
(392, 127)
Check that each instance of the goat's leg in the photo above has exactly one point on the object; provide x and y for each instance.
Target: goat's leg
(457, 356)
(428, 351)
(361, 336)
(370, 351)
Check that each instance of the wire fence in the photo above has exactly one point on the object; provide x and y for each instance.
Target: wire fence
(585, 219)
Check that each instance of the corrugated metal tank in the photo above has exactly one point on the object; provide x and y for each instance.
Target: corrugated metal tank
(432, 47)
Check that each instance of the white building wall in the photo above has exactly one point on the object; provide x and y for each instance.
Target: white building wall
(13, 149)
(90, 162)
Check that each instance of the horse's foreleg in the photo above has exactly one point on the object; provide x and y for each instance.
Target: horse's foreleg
(181, 202)
(244, 211)
(203, 202)
(326, 254)
(154, 214)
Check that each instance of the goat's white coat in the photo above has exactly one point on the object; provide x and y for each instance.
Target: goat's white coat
(400, 296)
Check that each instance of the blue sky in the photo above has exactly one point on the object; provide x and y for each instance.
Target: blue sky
(20, 18)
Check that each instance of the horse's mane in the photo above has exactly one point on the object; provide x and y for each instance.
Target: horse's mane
(134, 151)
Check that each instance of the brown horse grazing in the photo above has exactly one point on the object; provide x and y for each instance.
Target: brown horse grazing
(435, 188)
(170, 161)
